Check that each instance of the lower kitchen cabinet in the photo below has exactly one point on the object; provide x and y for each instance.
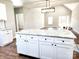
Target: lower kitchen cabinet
(44, 47)
(27, 45)
(64, 52)
(47, 51)
(6, 37)
(33, 50)
(55, 51)
(22, 47)
(28, 49)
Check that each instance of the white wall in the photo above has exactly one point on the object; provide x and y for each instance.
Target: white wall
(33, 18)
(10, 14)
(59, 11)
(75, 19)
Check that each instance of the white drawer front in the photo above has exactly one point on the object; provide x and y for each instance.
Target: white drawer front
(6, 32)
(31, 38)
(19, 36)
(26, 38)
(46, 44)
(64, 41)
(64, 46)
(46, 39)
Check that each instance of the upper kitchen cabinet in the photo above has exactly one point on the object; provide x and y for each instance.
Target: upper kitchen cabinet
(3, 12)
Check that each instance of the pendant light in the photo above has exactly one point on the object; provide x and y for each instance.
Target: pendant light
(48, 8)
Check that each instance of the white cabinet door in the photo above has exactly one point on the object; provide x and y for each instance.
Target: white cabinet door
(22, 48)
(64, 52)
(32, 45)
(55, 51)
(27, 45)
(21, 44)
(8, 36)
(47, 51)
(32, 49)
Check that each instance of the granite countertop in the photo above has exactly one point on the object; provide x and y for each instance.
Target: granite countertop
(51, 33)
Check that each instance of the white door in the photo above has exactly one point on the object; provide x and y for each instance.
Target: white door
(64, 52)
(47, 51)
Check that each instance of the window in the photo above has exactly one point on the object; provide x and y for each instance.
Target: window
(63, 21)
(50, 20)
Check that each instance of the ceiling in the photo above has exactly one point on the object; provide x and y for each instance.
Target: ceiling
(29, 1)
(71, 4)
(40, 3)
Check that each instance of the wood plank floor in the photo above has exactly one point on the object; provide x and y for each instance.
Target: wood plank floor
(9, 52)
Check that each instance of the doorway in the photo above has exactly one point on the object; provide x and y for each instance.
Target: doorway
(19, 21)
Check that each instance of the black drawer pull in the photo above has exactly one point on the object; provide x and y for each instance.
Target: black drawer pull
(20, 36)
(52, 44)
(55, 45)
(25, 40)
(62, 41)
(45, 39)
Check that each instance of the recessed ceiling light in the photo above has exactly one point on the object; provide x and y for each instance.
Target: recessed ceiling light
(17, 3)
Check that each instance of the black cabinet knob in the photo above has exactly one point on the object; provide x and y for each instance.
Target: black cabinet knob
(55, 45)
(52, 44)
(45, 39)
(24, 40)
(62, 41)
(20, 36)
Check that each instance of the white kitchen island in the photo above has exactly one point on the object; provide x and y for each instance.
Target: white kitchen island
(46, 44)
